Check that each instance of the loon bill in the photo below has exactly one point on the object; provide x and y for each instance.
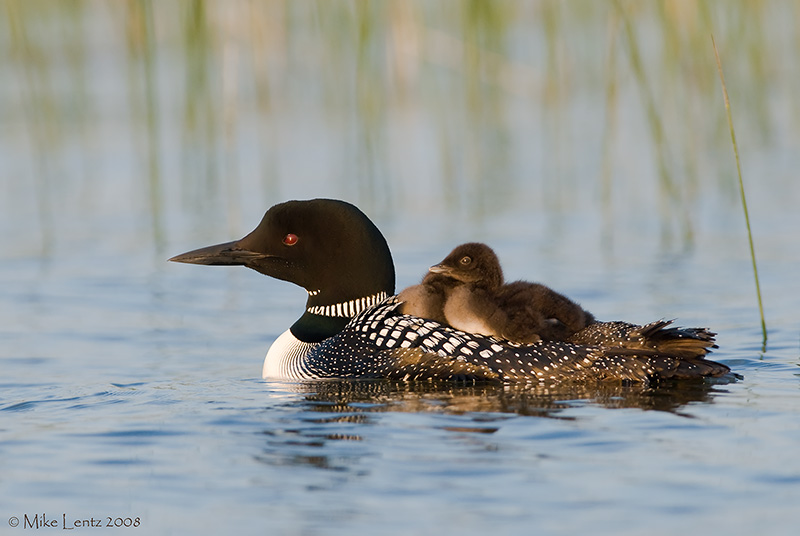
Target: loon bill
(353, 327)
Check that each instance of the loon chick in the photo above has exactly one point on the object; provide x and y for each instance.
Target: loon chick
(351, 326)
(427, 299)
(478, 301)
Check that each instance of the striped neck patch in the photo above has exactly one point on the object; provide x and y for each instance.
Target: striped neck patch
(348, 309)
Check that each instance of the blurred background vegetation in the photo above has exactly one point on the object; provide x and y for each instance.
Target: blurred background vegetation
(197, 113)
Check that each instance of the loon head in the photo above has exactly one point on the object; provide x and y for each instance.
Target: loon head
(474, 264)
(326, 246)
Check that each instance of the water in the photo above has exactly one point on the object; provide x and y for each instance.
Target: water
(129, 386)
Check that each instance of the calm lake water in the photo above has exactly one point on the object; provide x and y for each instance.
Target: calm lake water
(586, 143)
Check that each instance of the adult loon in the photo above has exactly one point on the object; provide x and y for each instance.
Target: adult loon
(468, 289)
(351, 327)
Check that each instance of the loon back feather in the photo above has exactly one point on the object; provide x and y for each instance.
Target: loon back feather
(381, 342)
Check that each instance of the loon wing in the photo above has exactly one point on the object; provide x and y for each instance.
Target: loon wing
(383, 343)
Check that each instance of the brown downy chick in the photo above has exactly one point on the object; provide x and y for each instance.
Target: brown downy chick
(474, 299)
(522, 301)
(426, 300)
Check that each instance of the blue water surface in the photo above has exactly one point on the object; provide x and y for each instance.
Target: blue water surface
(130, 389)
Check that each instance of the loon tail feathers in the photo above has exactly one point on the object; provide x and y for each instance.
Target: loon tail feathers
(680, 342)
(659, 336)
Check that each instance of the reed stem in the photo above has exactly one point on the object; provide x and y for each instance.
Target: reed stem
(741, 191)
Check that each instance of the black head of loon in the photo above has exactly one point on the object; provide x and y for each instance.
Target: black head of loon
(328, 247)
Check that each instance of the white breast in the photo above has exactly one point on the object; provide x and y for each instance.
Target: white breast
(285, 359)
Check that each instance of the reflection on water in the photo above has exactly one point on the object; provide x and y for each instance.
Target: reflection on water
(534, 400)
(343, 411)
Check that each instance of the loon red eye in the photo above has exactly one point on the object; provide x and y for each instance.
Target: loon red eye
(290, 239)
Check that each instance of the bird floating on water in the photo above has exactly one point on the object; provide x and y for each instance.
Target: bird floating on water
(353, 325)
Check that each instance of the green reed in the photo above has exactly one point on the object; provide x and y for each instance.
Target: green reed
(741, 191)
(490, 83)
(658, 130)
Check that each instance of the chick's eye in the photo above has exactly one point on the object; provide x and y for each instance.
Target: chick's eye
(290, 239)
(465, 260)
